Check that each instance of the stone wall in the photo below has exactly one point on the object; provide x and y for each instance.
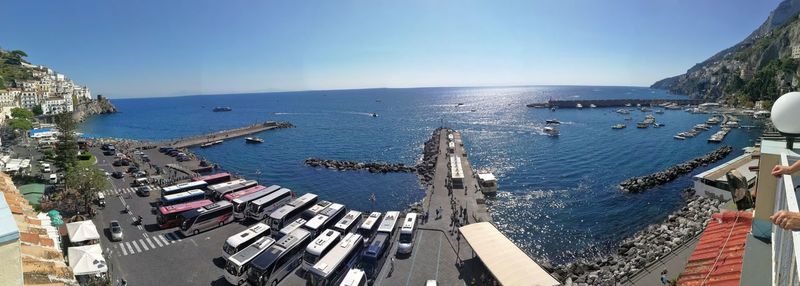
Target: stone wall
(640, 184)
(645, 247)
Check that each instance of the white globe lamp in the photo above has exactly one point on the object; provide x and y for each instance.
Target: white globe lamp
(785, 116)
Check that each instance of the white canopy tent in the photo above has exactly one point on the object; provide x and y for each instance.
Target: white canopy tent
(82, 231)
(87, 260)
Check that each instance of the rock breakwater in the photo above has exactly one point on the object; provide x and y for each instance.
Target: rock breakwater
(642, 249)
(372, 167)
(430, 151)
(424, 169)
(640, 184)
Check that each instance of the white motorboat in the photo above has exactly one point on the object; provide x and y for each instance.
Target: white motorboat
(487, 183)
(550, 131)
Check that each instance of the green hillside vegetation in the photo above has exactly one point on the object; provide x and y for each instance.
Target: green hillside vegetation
(11, 67)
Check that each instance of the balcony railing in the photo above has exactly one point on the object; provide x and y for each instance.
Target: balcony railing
(785, 243)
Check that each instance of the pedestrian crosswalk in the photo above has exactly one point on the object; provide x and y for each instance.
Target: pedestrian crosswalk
(130, 190)
(147, 243)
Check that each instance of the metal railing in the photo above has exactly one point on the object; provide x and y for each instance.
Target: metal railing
(785, 243)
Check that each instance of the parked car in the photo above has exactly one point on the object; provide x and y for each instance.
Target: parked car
(140, 174)
(133, 169)
(109, 153)
(117, 175)
(116, 231)
(117, 163)
(125, 162)
(143, 191)
(46, 168)
(138, 152)
(145, 158)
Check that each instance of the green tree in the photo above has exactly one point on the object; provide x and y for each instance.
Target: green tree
(67, 148)
(20, 124)
(21, 113)
(37, 110)
(86, 182)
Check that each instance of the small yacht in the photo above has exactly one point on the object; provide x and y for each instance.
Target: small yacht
(579, 106)
(623, 111)
(713, 120)
(658, 125)
(487, 183)
(618, 126)
(679, 137)
(253, 140)
(374, 114)
(627, 105)
(552, 121)
(628, 118)
(659, 111)
(553, 108)
(642, 125)
(551, 131)
(592, 105)
(222, 109)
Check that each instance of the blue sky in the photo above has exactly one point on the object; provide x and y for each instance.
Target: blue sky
(167, 48)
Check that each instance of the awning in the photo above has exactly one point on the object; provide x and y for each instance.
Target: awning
(87, 260)
(82, 231)
(507, 263)
(487, 177)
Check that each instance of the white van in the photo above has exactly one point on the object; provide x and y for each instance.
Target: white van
(53, 179)
(46, 168)
(407, 234)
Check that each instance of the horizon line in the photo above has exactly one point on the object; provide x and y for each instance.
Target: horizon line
(365, 88)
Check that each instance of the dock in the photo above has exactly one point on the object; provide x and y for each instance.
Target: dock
(225, 134)
(612, 102)
(441, 252)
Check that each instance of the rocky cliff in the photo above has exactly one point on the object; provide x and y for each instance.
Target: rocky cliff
(761, 67)
(88, 108)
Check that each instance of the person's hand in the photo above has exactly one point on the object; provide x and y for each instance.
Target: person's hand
(779, 170)
(786, 220)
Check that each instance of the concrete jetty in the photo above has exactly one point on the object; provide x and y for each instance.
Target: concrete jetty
(612, 102)
(440, 252)
(226, 134)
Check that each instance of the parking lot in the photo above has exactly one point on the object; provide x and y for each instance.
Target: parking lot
(150, 256)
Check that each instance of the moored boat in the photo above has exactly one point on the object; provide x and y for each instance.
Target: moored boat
(679, 137)
(618, 126)
(222, 109)
(552, 121)
(253, 140)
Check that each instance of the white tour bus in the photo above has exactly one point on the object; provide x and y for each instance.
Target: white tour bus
(368, 228)
(355, 277)
(218, 191)
(291, 211)
(240, 203)
(407, 234)
(333, 266)
(348, 222)
(242, 239)
(183, 197)
(315, 209)
(325, 219)
(289, 228)
(389, 222)
(260, 208)
(280, 260)
(182, 187)
(319, 247)
(237, 265)
(207, 217)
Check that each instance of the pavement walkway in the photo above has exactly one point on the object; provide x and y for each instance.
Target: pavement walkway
(439, 252)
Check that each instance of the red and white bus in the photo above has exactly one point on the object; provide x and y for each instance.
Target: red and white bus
(214, 178)
(207, 217)
(169, 216)
(238, 194)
